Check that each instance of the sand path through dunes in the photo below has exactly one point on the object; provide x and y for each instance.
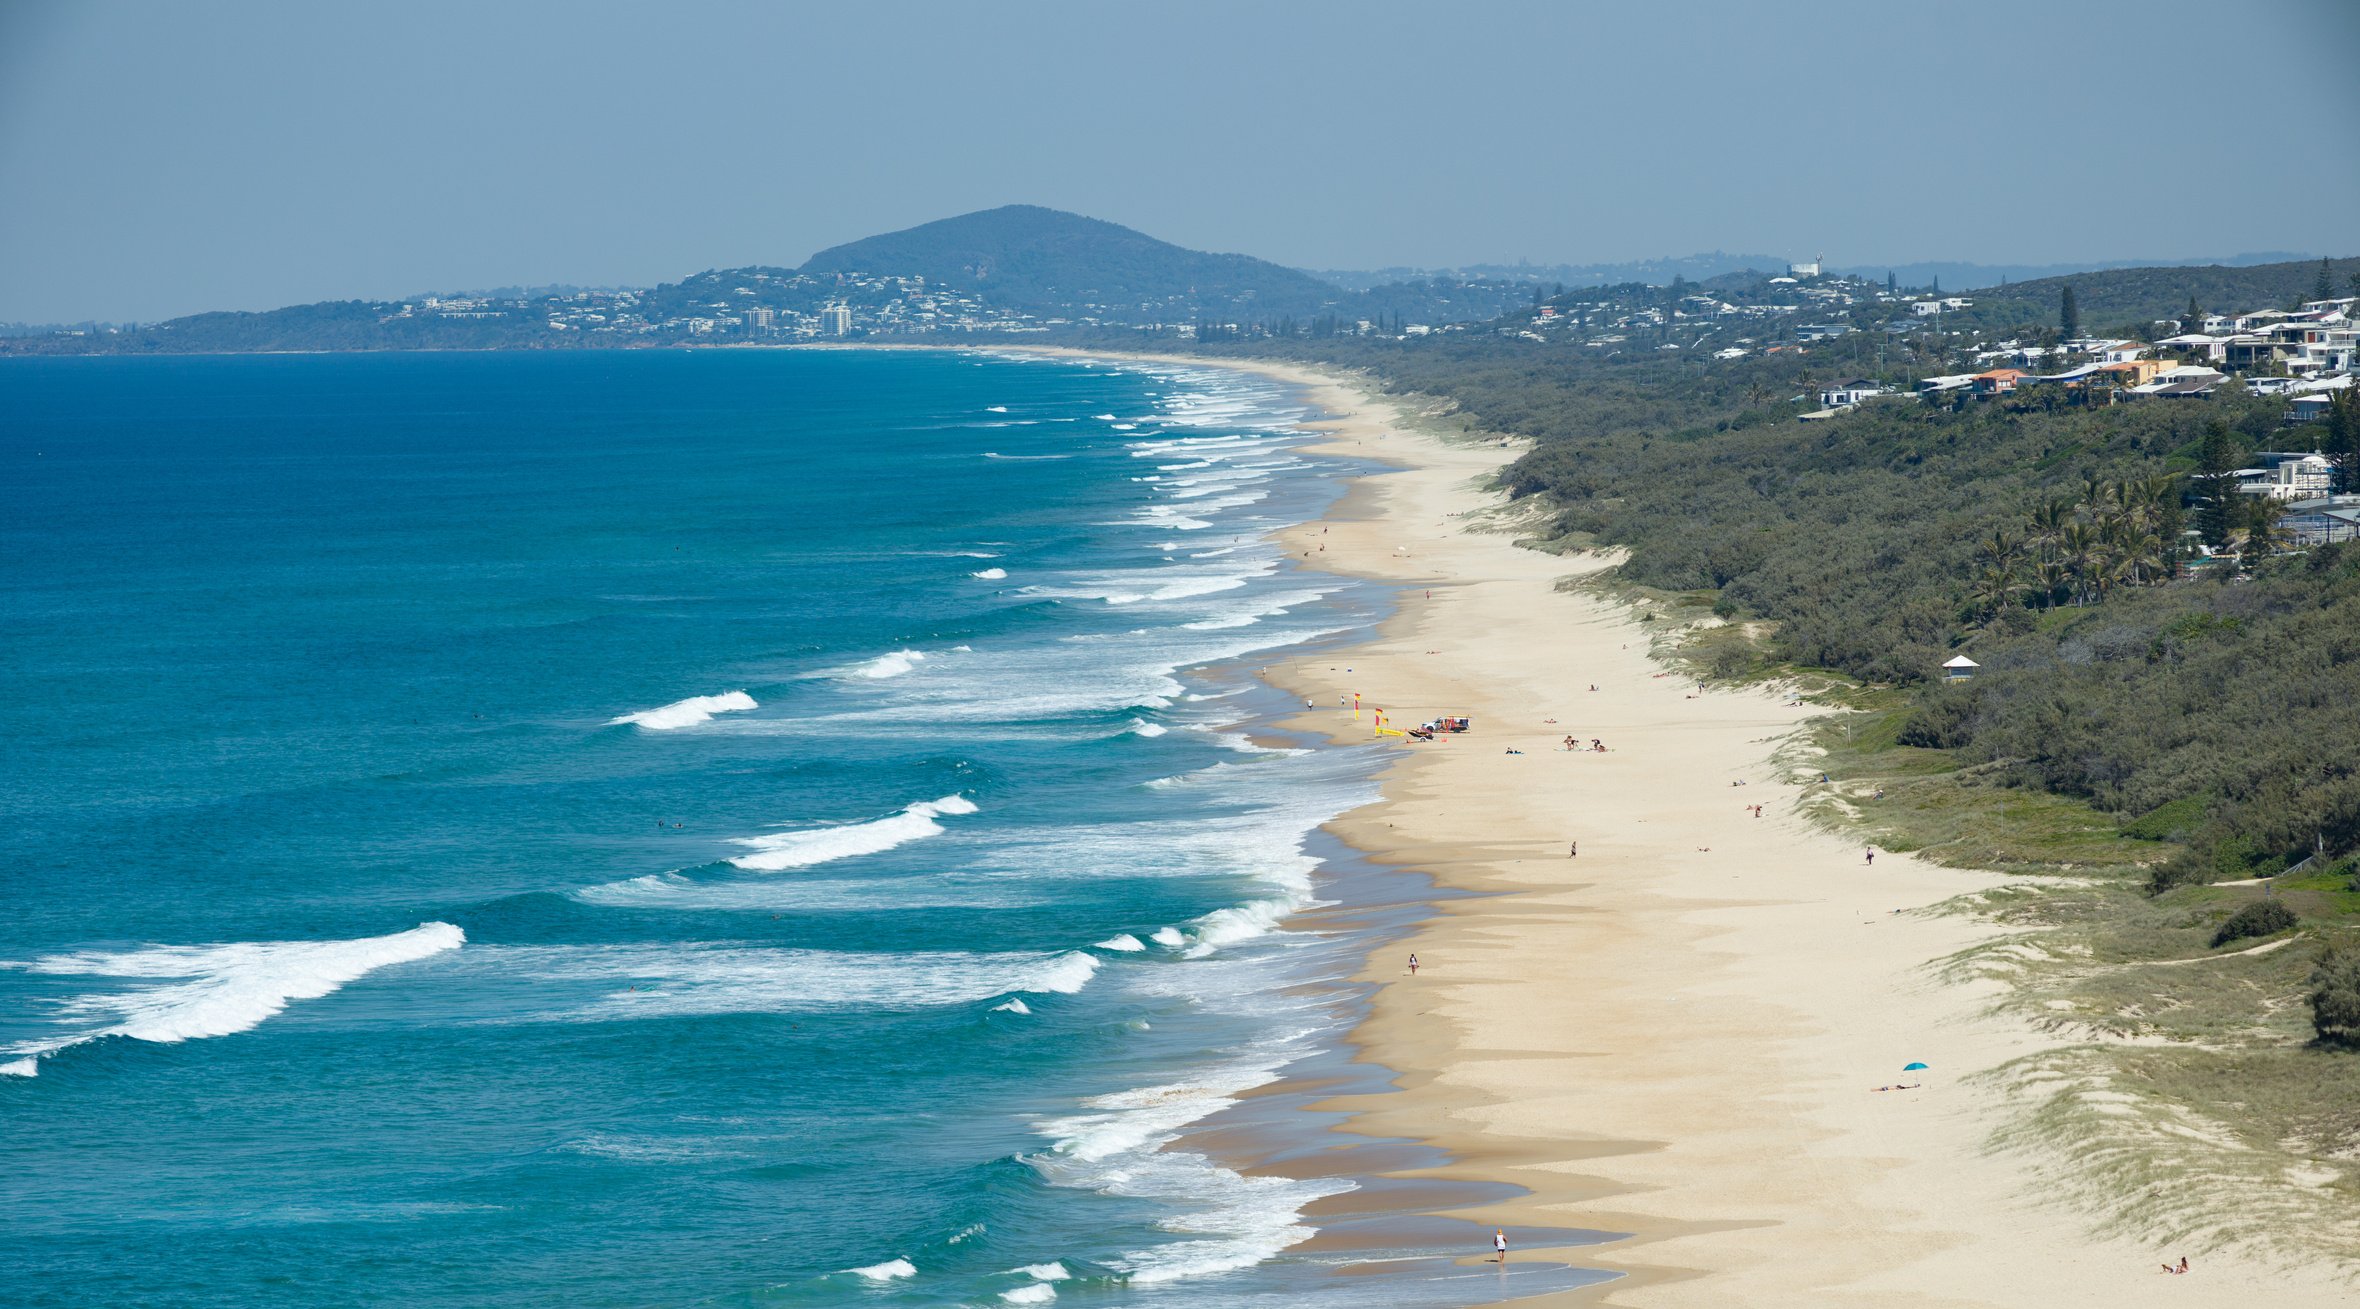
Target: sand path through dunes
(1677, 1033)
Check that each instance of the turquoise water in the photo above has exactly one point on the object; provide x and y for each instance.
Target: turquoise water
(656, 828)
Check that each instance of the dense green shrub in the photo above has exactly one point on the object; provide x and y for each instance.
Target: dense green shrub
(2261, 918)
(2335, 998)
(1940, 721)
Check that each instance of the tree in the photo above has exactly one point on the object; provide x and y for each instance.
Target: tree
(2216, 483)
(2194, 318)
(1891, 285)
(2335, 998)
(2324, 288)
(2068, 315)
(2342, 443)
(2264, 536)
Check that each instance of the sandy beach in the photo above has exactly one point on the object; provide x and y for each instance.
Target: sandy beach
(1679, 1033)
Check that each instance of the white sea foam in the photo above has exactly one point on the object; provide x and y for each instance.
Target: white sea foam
(991, 574)
(886, 1271)
(688, 713)
(995, 409)
(1125, 943)
(1124, 1146)
(605, 983)
(1168, 936)
(1226, 927)
(886, 665)
(1012, 1007)
(192, 992)
(1142, 727)
(817, 845)
(1049, 1272)
(679, 890)
(1037, 1293)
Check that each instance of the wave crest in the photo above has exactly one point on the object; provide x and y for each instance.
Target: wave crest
(687, 713)
(215, 990)
(801, 849)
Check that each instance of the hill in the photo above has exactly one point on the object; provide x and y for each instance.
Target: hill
(2123, 299)
(1025, 256)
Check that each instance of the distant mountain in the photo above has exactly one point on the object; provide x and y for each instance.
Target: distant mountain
(1952, 275)
(1654, 272)
(1028, 257)
(1962, 276)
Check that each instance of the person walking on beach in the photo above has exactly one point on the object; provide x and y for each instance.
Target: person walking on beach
(1872, 854)
(1573, 849)
(1499, 1242)
(1413, 964)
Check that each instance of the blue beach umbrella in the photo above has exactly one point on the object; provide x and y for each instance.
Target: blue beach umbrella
(1913, 1068)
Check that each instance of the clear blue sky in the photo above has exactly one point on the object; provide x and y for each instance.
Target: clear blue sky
(158, 159)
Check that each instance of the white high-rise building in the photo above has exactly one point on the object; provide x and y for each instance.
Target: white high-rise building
(835, 320)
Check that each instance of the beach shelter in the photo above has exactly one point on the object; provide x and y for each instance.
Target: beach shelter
(1913, 1068)
(1958, 668)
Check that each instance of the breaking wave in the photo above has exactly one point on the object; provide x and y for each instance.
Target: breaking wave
(818, 845)
(687, 713)
(188, 992)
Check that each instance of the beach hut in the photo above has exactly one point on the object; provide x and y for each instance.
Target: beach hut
(1959, 669)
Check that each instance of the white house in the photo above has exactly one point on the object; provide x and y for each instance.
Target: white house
(1958, 668)
(1840, 395)
(2289, 477)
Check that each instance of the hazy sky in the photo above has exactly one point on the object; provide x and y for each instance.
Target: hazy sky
(157, 159)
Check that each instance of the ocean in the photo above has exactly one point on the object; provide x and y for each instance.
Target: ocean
(667, 828)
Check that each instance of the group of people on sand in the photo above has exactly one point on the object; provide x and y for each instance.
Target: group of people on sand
(1595, 746)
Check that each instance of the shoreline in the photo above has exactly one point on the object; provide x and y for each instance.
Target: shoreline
(1677, 1033)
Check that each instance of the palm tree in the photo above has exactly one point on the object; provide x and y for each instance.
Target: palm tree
(2265, 535)
(2050, 517)
(1993, 589)
(2147, 559)
(2053, 573)
(2079, 545)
